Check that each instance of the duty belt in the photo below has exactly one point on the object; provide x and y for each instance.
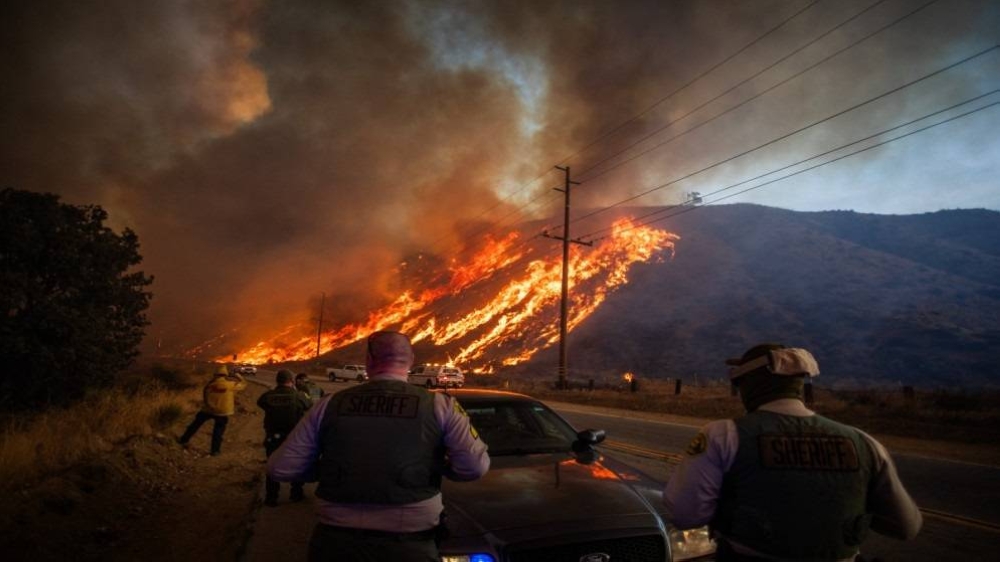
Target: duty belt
(427, 535)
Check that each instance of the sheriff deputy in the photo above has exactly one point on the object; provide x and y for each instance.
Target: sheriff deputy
(783, 483)
(283, 407)
(379, 451)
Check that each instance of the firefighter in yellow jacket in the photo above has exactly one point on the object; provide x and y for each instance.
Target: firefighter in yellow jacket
(218, 403)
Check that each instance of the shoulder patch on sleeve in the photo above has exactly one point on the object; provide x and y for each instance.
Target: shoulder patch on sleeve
(698, 445)
(461, 411)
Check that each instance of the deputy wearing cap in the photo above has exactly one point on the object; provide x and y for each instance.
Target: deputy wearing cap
(379, 451)
(308, 388)
(783, 483)
(283, 407)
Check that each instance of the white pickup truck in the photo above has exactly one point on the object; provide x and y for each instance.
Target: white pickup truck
(347, 373)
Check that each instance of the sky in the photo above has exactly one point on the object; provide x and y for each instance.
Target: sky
(267, 153)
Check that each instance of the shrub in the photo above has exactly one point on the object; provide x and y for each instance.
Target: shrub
(73, 309)
(166, 415)
(171, 379)
(32, 446)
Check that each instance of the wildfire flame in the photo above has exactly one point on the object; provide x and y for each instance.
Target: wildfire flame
(517, 320)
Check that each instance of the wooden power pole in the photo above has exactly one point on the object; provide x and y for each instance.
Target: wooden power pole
(564, 302)
(319, 329)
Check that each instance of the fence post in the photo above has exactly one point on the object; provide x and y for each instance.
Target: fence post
(677, 387)
(635, 384)
(590, 385)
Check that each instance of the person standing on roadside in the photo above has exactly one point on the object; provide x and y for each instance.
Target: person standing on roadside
(379, 451)
(283, 407)
(782, 483)
(311, 390)
(218, 404)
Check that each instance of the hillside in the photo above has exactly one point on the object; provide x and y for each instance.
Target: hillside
(879, 299)
(886, 299)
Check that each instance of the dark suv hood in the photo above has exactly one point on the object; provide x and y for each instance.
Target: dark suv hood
(549, 492)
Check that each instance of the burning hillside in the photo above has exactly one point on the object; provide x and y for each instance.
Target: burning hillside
(499, 308)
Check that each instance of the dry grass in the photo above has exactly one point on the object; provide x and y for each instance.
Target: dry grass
(708, 402)
(153, 398)
(147, 400)
(957, 417)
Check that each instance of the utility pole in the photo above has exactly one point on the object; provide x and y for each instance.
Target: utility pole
(319, 330)
(564, 302)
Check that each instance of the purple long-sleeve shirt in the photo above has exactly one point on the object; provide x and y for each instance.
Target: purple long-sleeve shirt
(467, 455)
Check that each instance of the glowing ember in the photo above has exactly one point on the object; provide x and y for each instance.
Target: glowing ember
(517, 319)
(627, 377)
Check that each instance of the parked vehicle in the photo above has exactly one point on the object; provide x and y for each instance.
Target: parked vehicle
(347, 373)
(245, 369)
(551, 495)
(437, 376)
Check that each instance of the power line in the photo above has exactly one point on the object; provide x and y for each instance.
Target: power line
(497, 225)
(815, 156)
(528, 240)
(787, 135)
(730, 57)
(755, 96)
(704, 73)
(500, 223)
(680, 209)
(693, 80)
(821, 164)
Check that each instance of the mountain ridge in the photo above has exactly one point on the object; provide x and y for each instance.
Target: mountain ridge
(897, 299)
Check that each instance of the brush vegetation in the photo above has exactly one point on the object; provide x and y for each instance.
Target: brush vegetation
(73, 305)
(144, 401)
(948, 415)
(153, 399)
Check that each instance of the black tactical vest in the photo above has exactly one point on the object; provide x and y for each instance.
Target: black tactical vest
(380, 443)
(283, 408)
(797, 488)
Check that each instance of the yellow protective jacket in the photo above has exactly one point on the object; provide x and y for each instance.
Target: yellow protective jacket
(220, 395)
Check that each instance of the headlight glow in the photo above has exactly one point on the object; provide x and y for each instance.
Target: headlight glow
(691, 543)
(467, 558)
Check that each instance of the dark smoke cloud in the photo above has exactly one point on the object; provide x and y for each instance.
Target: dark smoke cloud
(267, 152)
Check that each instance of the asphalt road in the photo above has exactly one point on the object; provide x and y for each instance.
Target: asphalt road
(959, 500)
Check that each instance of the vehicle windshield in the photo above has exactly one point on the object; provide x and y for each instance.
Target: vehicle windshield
(519, 427)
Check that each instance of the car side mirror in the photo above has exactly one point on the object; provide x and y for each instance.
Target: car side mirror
(590, 436)
(584, 445)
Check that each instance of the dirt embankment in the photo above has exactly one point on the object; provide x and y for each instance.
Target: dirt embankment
(145, 499)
